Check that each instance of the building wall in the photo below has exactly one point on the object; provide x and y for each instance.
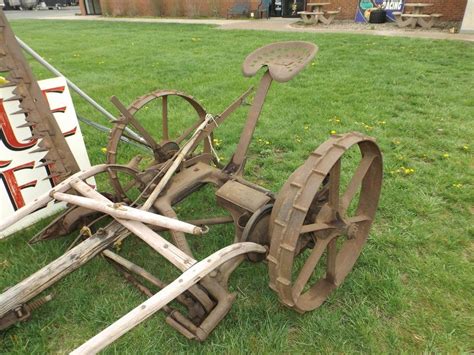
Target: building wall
(170, 8)
(452, 10)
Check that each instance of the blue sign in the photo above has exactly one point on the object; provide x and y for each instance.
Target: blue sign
(365, 7)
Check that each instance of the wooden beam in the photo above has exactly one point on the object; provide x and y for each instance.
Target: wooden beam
(166, 295)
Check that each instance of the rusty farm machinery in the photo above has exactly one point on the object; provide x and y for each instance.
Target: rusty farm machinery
(311, 224)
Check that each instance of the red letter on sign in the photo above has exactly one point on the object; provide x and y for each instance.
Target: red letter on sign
(11, 184)
(8, 136)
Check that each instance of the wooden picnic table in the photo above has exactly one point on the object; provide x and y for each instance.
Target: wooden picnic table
(317, 14)
(417, 17)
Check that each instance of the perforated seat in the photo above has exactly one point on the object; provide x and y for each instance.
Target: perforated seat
(283, 59)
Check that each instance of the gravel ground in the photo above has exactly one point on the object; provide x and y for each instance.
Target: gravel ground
(350, 25)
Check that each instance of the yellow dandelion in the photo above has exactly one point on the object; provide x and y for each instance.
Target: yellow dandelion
(332, 131)
(3, 81)
(407, 171)
(103, 150)
(457, 185)
(446, 155)
(118, 245)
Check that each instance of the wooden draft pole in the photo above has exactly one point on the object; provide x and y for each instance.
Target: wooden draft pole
(189, 278)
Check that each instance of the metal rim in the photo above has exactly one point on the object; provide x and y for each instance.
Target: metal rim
(310, 211)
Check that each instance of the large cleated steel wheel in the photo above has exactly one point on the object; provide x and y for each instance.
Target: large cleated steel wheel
(321, 220)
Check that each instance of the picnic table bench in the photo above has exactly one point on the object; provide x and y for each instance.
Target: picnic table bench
(317, 14)
(417, 17)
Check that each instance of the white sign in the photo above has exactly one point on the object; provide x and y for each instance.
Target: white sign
(22, 179)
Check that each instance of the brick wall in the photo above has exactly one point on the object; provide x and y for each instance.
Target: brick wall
(452, 10)
(348, 8)
(170, 8)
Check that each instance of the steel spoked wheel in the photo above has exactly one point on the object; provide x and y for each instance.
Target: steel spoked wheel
(158, 118)
(321, 220)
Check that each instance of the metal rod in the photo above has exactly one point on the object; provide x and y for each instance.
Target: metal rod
(238, 160)
(73, 86)
(104, 129)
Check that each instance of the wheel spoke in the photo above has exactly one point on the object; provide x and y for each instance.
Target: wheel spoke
(331, 260)
(334, 180)
(315, 227)
(308, 267)
(164, 117)
(356, 180)
(358, 219)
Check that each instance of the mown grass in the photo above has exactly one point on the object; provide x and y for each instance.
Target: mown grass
(412, 288)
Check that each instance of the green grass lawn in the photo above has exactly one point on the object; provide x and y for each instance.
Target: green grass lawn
(411, 289)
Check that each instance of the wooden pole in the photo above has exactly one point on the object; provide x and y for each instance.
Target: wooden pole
(166, 295)
(51, 273)
(175, 255)
(45, 198)
(130, 213)
(180, 157)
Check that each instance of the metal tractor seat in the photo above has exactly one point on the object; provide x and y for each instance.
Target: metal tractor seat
(283, 59)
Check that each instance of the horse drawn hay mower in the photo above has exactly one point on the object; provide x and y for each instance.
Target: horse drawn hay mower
(310, 234)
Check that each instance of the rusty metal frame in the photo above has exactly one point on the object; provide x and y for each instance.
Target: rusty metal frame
(308, 214)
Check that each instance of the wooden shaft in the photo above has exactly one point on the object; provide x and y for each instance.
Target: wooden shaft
(51, 273)
(166, 295)
(176, 163)
(175, 255)
(129, 213)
